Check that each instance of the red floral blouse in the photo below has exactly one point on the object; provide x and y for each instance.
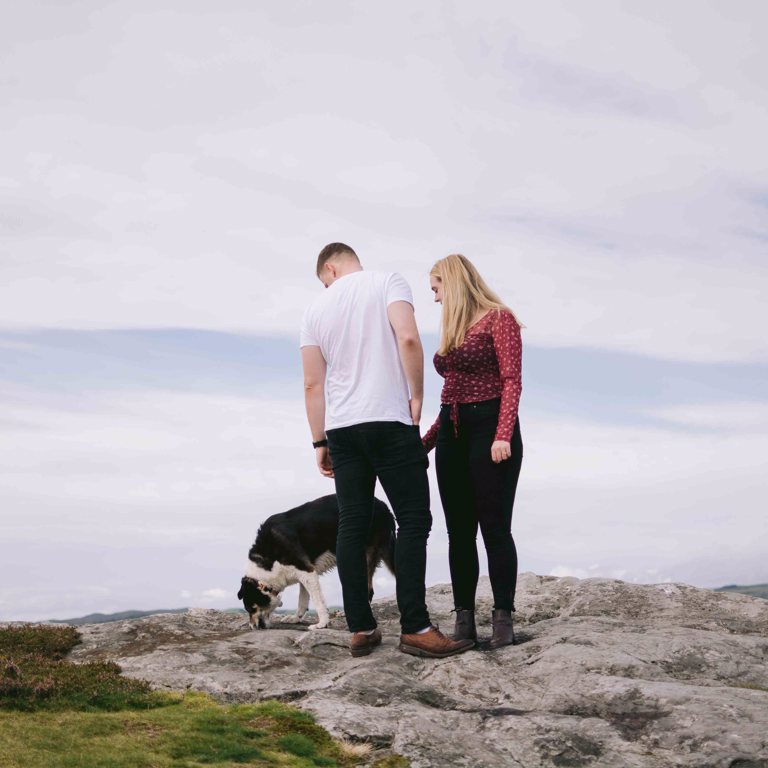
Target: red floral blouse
(487, 365)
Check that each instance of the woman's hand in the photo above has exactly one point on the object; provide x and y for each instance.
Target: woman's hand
(500, 450)
(323, 458)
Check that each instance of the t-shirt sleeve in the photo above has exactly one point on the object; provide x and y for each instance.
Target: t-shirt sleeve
(397, 289)
(307, 337)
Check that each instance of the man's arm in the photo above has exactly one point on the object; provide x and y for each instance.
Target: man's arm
(403, 322)
(315, 369)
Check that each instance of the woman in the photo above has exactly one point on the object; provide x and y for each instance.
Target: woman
(477, 434)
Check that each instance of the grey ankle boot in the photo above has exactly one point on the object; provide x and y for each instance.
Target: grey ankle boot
(465, 625)
(503, 632)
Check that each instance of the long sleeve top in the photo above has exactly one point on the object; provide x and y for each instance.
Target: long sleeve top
(488, 364)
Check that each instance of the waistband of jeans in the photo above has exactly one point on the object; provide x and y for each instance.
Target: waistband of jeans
(471, 406)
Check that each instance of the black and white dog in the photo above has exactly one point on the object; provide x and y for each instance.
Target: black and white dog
(298, 546)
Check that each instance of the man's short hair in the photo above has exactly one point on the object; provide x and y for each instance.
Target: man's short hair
(331, 250)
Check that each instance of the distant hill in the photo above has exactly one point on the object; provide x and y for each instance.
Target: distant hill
(755, 590)
(103, 618)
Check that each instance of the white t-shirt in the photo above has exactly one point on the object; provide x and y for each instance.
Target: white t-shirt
(365, 380)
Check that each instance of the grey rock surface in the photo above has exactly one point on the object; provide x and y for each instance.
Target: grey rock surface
(605, 674)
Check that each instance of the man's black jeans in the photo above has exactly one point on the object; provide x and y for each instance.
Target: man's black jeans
(474, 490)
(393, 452)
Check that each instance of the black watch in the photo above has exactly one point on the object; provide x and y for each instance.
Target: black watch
(320, 443)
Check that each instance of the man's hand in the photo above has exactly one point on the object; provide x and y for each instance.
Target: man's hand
(323, 458)
(415, 406)
(500, 450)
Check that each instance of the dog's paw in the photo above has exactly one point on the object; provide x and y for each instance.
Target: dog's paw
(319, 625)
(291, 618)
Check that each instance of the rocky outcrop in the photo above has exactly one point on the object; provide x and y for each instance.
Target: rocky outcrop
(605, 674)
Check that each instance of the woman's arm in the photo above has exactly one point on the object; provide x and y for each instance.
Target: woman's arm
(430, 439)
(509, 352)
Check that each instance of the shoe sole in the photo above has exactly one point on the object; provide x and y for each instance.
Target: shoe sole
(493, 647)
(364, 650)
(414, 651)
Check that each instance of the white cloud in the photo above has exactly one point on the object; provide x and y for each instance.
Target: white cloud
(615, 199)
(646, 503)
(179, 482)
(154, 447)
(730, 417)
(63, 599)
(564, 570)
(583, 454)
(216, 595)
(16, 345)
(182, 170)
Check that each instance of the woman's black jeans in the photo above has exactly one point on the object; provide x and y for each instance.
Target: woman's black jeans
(476, 491)
(393, 452)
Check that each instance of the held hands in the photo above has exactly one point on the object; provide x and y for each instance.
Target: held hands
(323, 458)
(500, 450)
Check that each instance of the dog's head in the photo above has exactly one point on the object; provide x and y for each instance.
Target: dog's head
(259, 601)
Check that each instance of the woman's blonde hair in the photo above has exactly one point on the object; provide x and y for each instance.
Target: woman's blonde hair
(464, 294)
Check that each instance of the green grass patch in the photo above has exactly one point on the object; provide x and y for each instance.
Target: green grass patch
(191, 732)
(298, 744)
(57, 714)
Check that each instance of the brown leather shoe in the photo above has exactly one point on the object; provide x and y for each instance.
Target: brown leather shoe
(361, 644)
(433, 644)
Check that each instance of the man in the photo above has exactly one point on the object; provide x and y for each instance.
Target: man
(359, 340)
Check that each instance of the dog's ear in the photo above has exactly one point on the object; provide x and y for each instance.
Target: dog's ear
(240, 592)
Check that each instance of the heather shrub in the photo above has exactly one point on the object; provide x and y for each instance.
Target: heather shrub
(35, 675)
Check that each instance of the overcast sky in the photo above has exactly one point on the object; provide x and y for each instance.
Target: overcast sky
(169, 172)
